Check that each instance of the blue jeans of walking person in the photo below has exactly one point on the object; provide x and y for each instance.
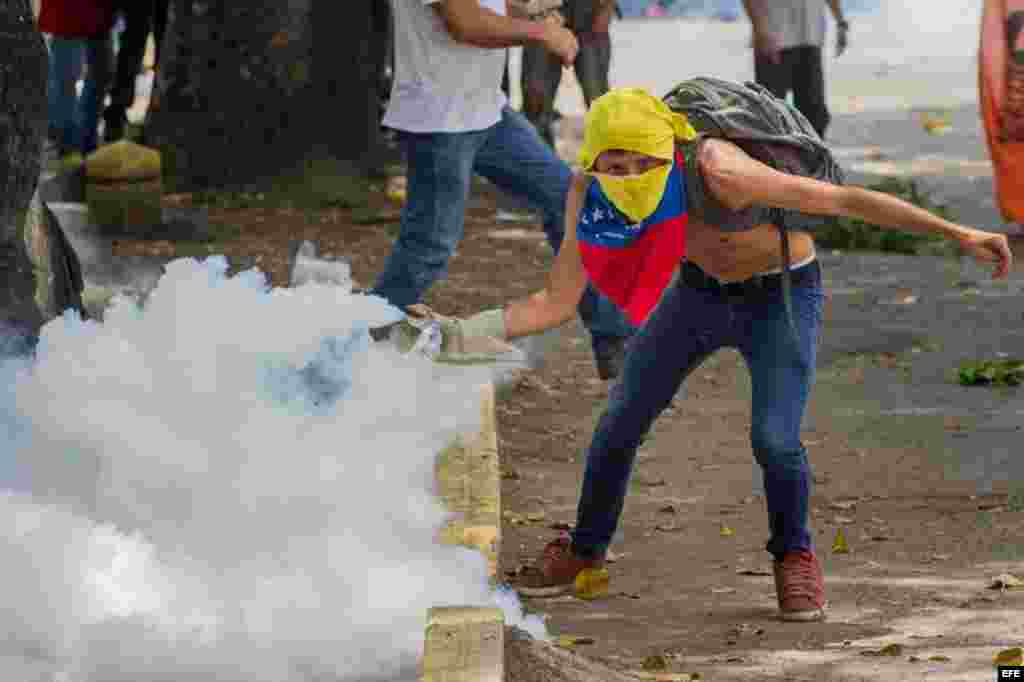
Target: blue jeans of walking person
(74, 119)
(689, 325)
(440, 167)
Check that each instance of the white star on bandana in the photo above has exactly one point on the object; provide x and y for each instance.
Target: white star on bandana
(598, 214)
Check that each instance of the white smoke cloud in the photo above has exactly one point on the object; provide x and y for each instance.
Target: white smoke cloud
(232, 483)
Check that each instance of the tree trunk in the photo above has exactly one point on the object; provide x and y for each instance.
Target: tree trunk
(248, 90)
(22, 126)
(233, 76)
(350, 48)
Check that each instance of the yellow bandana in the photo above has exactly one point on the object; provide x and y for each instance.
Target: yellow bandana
(633, 120)
(637, 196)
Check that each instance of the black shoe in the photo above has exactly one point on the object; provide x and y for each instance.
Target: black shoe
(609, 357)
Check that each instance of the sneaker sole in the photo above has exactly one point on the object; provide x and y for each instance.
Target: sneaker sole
(553, 591)
(802, 616)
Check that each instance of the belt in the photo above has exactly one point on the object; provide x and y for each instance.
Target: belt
(758, 285)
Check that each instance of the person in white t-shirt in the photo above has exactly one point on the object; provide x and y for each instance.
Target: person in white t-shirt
(452, 121)
(788, 38)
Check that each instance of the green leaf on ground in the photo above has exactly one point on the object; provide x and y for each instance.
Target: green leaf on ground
(1006, 372)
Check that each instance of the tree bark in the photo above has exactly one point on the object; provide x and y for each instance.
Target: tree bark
(22, 126)
(350, 48)
(228, 104)
(246, 90)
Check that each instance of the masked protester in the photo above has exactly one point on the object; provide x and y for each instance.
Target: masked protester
(628, 231)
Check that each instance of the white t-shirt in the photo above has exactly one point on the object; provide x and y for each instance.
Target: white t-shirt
(441, 85)
(797, 22)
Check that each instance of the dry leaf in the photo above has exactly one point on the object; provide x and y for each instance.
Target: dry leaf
(1014, 656)
(887, 650)
(842, 520)
(839, 545)
(655, 662)
(592, 583)
(572, 641)
(536, 517)
(1005, 582)
(843, 506)
(939, 659)
(726, 532)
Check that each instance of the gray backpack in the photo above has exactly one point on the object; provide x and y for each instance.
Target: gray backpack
(770, 130)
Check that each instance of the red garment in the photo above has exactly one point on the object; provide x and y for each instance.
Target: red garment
(76, 18)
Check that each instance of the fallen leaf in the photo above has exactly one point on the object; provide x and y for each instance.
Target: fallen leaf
(843, 506)
(591, 583)
(887, 650)
(666, 527)
(839, 545)
(1014, 656)
(726, 531)
(536, 517)
(1005, 582)
(655, 662)
(572, 641)
(508, 473)
(939, 659)
(842, 520)
(879, 538)
(668, 509)
(652, 483)
(914, 659)
(722, 590)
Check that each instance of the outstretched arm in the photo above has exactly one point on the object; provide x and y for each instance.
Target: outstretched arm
(550, 307)
(555, 304)
(738, 181)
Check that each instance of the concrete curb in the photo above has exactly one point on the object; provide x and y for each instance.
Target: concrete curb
(466, 644)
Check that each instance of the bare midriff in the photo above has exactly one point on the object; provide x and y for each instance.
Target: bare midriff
(736, 256)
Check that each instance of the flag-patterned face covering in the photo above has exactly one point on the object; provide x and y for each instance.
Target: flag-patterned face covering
(633, 120)
(632, 263)
(631, 230)
(636, 196)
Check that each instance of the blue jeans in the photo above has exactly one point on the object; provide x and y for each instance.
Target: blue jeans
(440, 167)
(688, 326)
(73, 119)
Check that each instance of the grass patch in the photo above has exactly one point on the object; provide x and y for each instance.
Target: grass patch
(1015, 502)
(317, 183)
(852, 234)
(991, 373)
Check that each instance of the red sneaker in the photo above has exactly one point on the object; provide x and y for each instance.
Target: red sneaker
(800, 587)
(554, 573)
